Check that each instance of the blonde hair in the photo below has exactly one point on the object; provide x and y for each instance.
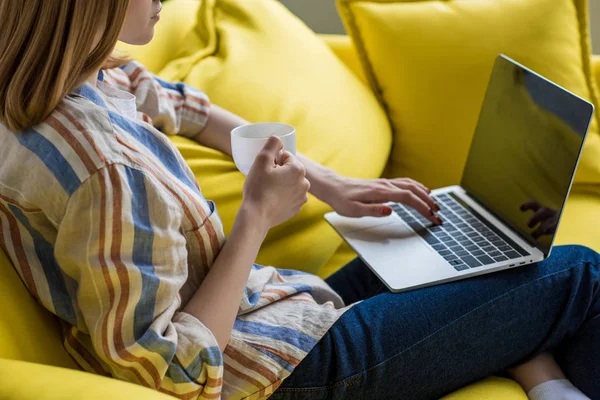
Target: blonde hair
(48, 48)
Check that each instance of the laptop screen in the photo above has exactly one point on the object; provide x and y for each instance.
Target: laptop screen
(525, 151)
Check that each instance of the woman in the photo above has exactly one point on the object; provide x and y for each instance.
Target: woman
(109, 230)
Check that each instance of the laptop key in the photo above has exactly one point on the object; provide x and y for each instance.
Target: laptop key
(444, 253)
(429, 238)
(462, 253)
(472, 247)
(458, 265)
(500, 258)
(478, 253)
(485, 260)
(488, 249)
(461, 267)
(512, 254)
(439, 247)
(494, 254)
(471, 261)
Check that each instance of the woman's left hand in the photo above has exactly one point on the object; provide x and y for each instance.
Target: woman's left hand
(366, 197)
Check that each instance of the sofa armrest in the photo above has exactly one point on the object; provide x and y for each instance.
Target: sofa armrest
(343, 47)
(21, 380)
(596, 68)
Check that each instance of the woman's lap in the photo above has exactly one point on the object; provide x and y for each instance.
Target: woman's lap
(429, 342)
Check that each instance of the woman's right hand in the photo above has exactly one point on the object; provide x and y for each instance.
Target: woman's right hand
(276, 187)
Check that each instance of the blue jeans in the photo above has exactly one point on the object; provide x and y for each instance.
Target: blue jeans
(427, 343)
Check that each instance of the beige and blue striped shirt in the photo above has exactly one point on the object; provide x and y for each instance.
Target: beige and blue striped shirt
(108, 228)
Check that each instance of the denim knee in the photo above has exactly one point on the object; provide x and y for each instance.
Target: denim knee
(576, 254)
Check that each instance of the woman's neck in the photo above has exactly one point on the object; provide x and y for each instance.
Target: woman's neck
(93, 79)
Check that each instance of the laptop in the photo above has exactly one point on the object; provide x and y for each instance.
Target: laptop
(507, 209)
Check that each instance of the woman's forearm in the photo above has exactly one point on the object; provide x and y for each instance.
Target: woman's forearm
(217, 301)
(217, 135)
(320, 177)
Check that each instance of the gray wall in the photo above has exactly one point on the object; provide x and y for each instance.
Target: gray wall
(321, 16)
(595, 22)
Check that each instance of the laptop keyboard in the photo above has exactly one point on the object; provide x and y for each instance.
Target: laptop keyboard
(465, 240)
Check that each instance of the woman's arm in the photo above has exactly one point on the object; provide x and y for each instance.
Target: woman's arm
(217, 300)
(347, 196)
(129, 263)
(272, 194)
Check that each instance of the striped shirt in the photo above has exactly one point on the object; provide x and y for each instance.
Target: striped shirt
(108, 229)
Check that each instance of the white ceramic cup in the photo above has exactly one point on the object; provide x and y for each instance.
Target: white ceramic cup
(248, 140)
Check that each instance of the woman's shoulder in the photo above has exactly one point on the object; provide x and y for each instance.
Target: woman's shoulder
(83, 133)
(58, 154)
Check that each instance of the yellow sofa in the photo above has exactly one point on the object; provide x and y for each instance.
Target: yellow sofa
(34, 365)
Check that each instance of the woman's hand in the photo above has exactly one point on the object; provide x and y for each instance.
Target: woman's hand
(276, 187)
(366, 197)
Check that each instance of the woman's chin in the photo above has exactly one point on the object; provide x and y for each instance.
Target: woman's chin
(141, 39)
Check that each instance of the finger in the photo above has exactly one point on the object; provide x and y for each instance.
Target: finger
(531, 205)
(422, 186)
(420, 191)
(411, 199)
(293, 168)
(268, 155)
(286, 158)
(357, 210)
(423, 195)
(273, 146)
(401, 183)
(540, 216)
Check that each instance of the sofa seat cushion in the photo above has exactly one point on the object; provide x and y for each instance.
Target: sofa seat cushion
(27, 330)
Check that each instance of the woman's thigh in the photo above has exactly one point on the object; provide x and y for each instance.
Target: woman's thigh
(429, 342)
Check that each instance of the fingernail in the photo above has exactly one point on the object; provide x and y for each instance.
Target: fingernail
(437, 207)
(439, 221)
(386, 211)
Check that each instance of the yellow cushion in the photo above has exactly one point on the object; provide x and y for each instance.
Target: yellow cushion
(581, 218)
(343, 47)
(26, 381)
(258, 60)
(27, 331)
(596, 68)
(493, 388)
(433, 78)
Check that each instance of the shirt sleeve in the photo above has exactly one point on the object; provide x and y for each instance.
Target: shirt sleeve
(174, 108)
(122, 243)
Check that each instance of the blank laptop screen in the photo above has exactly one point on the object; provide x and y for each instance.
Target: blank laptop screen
(525, 151)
